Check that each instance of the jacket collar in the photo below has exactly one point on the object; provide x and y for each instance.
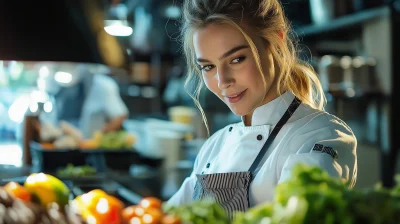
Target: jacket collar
(271, 113)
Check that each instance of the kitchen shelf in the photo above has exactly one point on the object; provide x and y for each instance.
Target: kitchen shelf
(358, 34)
(357, 95)
(342, 23)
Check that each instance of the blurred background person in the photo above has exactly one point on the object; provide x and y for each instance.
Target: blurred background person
(89, 101)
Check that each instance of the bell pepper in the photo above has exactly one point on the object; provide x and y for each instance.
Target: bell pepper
(98, 207)
(46, 189)
(17, 191)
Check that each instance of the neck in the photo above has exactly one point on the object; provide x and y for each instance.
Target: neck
(270, 96)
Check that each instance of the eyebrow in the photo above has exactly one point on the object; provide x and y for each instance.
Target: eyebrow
(226, 54)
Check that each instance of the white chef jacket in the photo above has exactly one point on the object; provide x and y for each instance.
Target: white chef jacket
(301, 140)
(102, 103)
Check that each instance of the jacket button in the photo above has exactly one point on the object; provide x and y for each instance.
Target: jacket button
(259, 137)
(208, 165)
(230, 129)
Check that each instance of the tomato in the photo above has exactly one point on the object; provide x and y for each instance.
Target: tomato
(150, 202)
(132, 211)
(18, 191)
(152, 216)
(145, 219)
(136, 220)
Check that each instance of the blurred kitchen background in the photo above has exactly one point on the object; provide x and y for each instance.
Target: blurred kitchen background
(98, 84)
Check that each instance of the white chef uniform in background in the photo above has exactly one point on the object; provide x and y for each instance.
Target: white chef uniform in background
(103, 103)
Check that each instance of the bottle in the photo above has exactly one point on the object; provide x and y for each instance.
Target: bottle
(31, 130)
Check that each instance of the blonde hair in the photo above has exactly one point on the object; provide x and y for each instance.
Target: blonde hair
(267, 19)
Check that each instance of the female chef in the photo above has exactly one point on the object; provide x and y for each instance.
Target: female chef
(241, 50)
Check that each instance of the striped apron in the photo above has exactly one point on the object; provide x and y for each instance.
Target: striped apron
(231, 190)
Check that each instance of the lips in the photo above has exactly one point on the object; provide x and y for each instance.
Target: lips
(236, 97)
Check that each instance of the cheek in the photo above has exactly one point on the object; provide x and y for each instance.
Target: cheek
(253, 74)
(211, 83)
(268, 67)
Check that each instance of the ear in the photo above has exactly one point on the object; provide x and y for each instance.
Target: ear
(281, 35)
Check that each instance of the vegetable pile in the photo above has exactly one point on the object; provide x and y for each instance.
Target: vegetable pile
(44, 199)
(310, 196)
(205, 211)
(76, 171)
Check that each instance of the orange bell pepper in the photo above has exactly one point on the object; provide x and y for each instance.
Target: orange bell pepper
(98, 207)
(17, 191)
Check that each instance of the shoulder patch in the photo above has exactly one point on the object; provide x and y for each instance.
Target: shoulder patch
(326, 149)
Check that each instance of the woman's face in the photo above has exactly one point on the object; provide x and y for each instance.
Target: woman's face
(229, 69)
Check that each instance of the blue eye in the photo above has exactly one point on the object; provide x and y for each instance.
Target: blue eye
(238, 60)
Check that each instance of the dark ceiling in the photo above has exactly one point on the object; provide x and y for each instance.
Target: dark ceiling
(62, 30)
(46, 30)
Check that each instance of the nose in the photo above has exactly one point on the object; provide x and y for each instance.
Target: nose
(225, 79)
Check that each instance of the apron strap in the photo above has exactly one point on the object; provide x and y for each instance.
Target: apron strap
(292, 108)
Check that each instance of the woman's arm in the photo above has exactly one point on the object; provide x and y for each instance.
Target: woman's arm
(114, 107)
(185, 194)
(114, 124)
(332, 147)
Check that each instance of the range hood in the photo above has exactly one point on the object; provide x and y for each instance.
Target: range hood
(62, 30)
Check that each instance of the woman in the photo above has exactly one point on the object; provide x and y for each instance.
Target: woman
(242, 52)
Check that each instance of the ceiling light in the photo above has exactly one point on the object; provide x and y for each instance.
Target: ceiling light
(173, 12)
(48, 107)
(17, 110)
(118, 28)
(43, 72)
(39, 96)
(63, 77)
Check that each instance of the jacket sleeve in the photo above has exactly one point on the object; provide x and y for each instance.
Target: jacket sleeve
(332, 147)
(114, 106)
(185, 193)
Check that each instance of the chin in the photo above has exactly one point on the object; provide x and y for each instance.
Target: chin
(239, 111)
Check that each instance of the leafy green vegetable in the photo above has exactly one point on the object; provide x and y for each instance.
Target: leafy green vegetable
(309, 196)
(312, 196)
(115, 140)
(396, 190)
(199, 212)
(76, 171)
(324, 194)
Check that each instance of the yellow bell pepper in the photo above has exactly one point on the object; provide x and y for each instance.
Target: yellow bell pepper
(47, 189)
